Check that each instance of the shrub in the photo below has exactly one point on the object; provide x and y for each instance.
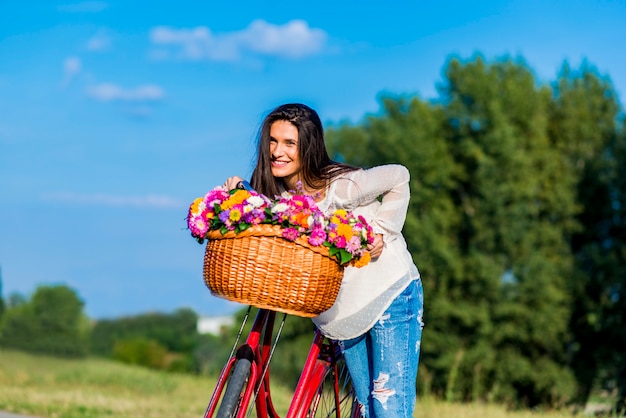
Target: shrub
(140, 351)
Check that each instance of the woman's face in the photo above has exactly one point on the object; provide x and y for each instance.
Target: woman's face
(284, 152)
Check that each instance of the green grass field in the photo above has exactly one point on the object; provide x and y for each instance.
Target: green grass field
(57, 388)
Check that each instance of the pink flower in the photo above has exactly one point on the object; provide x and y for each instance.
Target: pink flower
(318, 236)
(340, 242)
(354, 245)
(290, 233)
(215, 196)
(198, 226)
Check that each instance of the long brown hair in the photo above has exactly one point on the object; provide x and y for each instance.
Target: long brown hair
(316, 166)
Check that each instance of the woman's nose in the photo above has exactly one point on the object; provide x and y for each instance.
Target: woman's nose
(277, 151)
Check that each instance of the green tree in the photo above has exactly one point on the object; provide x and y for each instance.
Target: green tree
(492, 208)
(140, 351)
(616, 321)
(51, 322)
(176, 332)
(584, 126)
(515, 193)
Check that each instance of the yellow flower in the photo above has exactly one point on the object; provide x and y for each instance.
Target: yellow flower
(342, 213)
(234, 215)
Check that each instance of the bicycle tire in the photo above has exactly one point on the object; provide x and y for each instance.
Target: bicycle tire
(236, 383)
(333, 396)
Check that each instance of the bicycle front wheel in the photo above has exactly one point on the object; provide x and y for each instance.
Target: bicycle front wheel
(333, 395)
(232, 398)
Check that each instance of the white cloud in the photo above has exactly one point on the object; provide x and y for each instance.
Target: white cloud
(295, 39)
(144, 202)
(108, 92)
(99, 42)
(72, 66)
(195, 44)
(84, 7)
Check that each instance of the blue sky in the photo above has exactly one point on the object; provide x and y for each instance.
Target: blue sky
(115, 115)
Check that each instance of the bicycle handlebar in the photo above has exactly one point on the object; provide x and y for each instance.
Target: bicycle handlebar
(244, 185)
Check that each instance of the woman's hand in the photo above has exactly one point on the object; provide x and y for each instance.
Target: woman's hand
(231, 182)
(376, 248)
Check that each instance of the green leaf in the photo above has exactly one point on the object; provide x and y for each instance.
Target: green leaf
(344, 256)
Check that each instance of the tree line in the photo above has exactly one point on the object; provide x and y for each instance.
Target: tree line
(52, 322)
(517, 222)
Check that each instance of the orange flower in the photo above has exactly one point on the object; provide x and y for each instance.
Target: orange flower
(235, 199)
(345, 231)
(196, 204)
(302, 219)
(364, 260)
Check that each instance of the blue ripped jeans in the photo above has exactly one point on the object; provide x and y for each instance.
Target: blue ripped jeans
(383, 362)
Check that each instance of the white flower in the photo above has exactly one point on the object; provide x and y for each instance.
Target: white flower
(280, 207)
(213, 202)
(256, 201)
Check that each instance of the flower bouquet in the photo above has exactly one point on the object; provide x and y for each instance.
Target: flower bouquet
(283, 254)
(345, 234)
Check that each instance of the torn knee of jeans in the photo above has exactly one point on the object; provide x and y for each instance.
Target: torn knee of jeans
(380, 392)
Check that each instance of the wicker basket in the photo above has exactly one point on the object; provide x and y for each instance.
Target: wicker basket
(258, 267)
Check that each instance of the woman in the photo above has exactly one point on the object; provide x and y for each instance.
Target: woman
(377, 317)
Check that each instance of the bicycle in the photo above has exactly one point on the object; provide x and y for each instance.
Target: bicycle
(243, 386)
(323, 390)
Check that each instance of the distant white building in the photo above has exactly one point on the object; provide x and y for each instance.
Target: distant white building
(214, 324)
